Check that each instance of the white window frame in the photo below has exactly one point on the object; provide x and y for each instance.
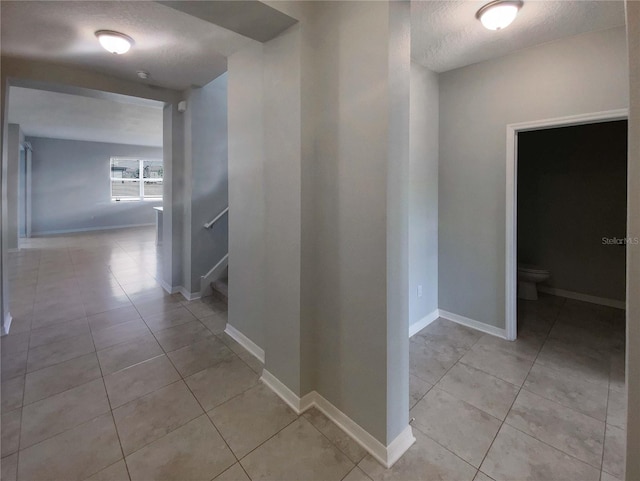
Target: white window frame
(140, 180)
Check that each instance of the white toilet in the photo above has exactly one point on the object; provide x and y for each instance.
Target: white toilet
(528, 277)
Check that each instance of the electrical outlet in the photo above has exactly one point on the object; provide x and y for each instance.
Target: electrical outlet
(420, 291)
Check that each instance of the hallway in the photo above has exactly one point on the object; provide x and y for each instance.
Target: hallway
(101, 366)
(106, 377)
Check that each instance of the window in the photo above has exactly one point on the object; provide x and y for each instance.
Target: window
(136, 179)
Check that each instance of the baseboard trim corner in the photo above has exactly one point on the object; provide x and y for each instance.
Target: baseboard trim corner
(385, 455)
(399, 446)
(282, 391)
(168, 288)
(189, 296)
(472, 323)
(245, 342)
(422, 323)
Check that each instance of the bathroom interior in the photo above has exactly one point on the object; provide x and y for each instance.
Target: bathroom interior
(571, 218)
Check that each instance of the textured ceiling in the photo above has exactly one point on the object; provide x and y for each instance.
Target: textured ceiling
(62, 116)
(179, 50)
(446, 35)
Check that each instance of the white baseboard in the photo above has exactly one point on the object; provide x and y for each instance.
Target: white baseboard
(283, 392)
(422, 323)
(386, 455)
(6, 325)
(87, 229)
(166, 286)
(472, 323)
(189, 296)
(603, 301)
(245, 342)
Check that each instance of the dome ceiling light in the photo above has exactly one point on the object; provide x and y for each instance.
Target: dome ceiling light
(114, 42)
(498, 14)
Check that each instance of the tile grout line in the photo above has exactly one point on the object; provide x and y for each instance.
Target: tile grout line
(518, 393)
(298, 416)
(24, 387)
(205, 413)
(533, 437)
(113, 419)
(329, 439)
(444, 374)
(431, 388)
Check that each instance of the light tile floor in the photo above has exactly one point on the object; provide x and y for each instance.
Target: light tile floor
(106, 377)
(549, 406)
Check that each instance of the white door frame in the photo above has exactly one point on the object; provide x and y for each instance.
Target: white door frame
(511, 264)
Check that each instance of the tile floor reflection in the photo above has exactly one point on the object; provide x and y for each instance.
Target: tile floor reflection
(107, 377)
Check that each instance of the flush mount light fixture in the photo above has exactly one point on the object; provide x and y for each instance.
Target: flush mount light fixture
(498, 14)
(143, 74)
(114, 42)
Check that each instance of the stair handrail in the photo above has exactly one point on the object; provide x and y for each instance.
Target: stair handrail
(209, 224)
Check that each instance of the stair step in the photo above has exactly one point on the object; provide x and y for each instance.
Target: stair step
(221, 289)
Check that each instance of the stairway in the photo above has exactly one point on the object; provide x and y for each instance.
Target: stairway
(221, 289)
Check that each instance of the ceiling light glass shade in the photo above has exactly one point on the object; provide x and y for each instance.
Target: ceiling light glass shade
(114, 42)
(499, 14)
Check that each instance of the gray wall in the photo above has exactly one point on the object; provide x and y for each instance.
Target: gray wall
(71, 189)
(572, 186)
(282, 178)
(22, 192)
(207, 191)
(582, 74)
(13, 166)
(246, 194)
(330, 160)
(4, 230)
(423, 193)
(351, 200)
(633, 252)
(173, 196)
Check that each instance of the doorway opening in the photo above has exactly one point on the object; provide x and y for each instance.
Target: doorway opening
(514, 131)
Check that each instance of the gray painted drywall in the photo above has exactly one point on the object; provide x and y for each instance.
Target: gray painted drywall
(13, 158)
(4, 240)
(246, 194)
(282, 177)
(207, 193)
(423, 193)
(398, 174)
(78, 81)
(251, 18)
(633, 252)
(71, 188)
(173, 149)
(330, 162)
(23, 189)
(358, 362)
(572, 192)
(577, 75)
